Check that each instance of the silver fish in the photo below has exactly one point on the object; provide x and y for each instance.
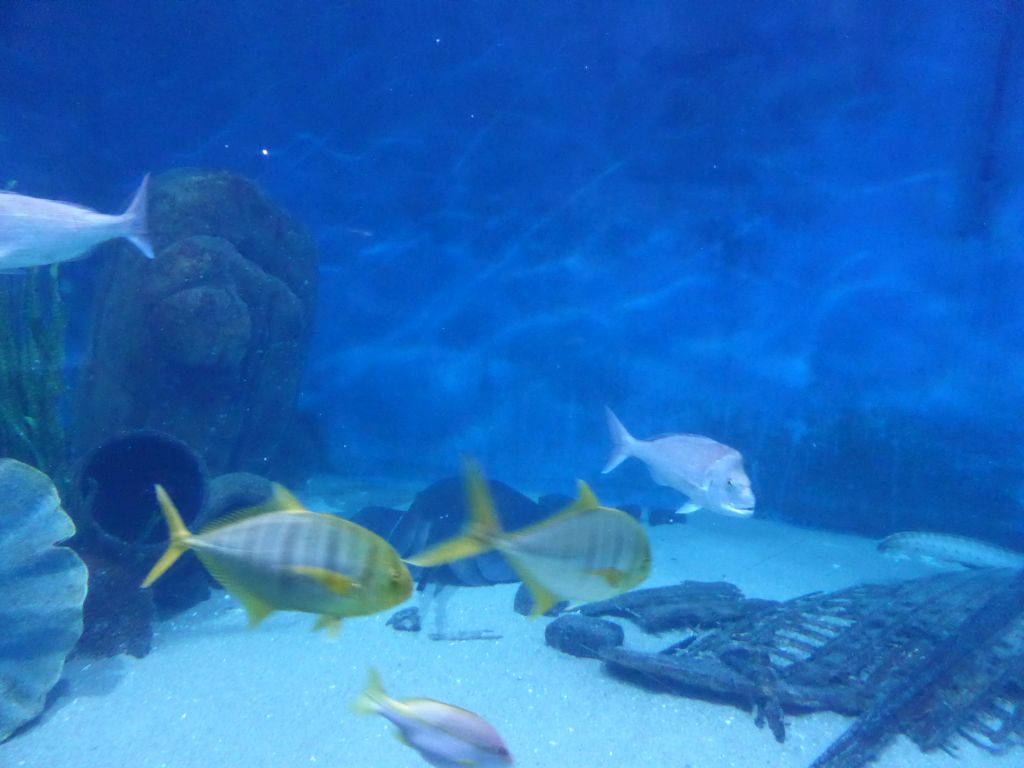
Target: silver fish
(950, 548)
(34, 231)
(445, 736)
(709, 473)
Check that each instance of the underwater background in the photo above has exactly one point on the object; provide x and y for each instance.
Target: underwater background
(797, 227)
(393, 234)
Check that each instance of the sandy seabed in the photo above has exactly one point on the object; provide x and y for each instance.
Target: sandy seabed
(213, 694)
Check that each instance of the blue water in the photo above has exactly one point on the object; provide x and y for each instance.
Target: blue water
(795, 227)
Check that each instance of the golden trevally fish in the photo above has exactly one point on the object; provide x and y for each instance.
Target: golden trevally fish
(279, 556)
(35, 231)
(585, 552)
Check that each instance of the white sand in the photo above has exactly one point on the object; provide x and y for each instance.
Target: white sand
(213, 694)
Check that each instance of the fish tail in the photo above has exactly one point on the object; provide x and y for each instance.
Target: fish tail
(481, 534)
(137, 221)
(543, 598)
(622, 442)
(373, 698)
(179, 537)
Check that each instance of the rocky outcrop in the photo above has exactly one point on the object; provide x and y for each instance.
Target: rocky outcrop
(206, 342)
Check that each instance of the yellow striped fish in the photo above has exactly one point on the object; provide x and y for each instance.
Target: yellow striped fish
(279, 556)
(585, 552)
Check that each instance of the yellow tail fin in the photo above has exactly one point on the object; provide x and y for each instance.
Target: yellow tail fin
(179, 536)
(480, 535)
(373, 697)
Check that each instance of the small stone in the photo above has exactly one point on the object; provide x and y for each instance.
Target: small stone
(583, 635)
(663, 516)
(406, 620)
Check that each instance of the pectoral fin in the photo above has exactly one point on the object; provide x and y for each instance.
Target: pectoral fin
(688, 508)
(332, 581)
(613, 576)
(331, 623)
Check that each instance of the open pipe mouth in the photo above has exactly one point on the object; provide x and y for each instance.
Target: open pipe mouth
(116, 481)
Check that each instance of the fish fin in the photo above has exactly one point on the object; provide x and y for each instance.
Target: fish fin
(543, 598)
(400, 738)
(449, 551)
(622, 442)
(142, 244)
(373, 697)
(613, 576)
(231, 518)
(331, 623)
(256, 608)
(280, 500)
(285, 501)
(585, 498)
(688, 508)
(585, 501)
(178, 534)
(136, 220)
(330, 580)
(481, 532)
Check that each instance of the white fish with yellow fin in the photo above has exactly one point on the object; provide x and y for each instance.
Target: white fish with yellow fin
(279, 556)
(446, 736)
(35, 231)
(584, 552)
(708, 473)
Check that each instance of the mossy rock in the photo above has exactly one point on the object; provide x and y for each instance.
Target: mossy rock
(44, 587)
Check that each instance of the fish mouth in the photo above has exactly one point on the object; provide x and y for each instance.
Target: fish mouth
(738, 510)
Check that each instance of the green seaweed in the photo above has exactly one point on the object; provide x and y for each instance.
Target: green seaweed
(32, 347)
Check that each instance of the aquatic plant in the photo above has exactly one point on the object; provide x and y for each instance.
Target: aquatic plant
(32, 347)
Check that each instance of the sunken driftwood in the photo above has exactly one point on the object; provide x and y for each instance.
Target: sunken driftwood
(938, 659)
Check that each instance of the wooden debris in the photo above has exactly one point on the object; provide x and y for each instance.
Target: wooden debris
(938, 659)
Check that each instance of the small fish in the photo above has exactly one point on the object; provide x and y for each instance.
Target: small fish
(279, 556)
(34, 231)
(710, 474)
(584, 552)
(444, 735)
(950, 548)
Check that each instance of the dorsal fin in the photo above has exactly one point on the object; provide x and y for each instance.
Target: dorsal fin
(284, 500)
(586, 499)
(280, 500)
